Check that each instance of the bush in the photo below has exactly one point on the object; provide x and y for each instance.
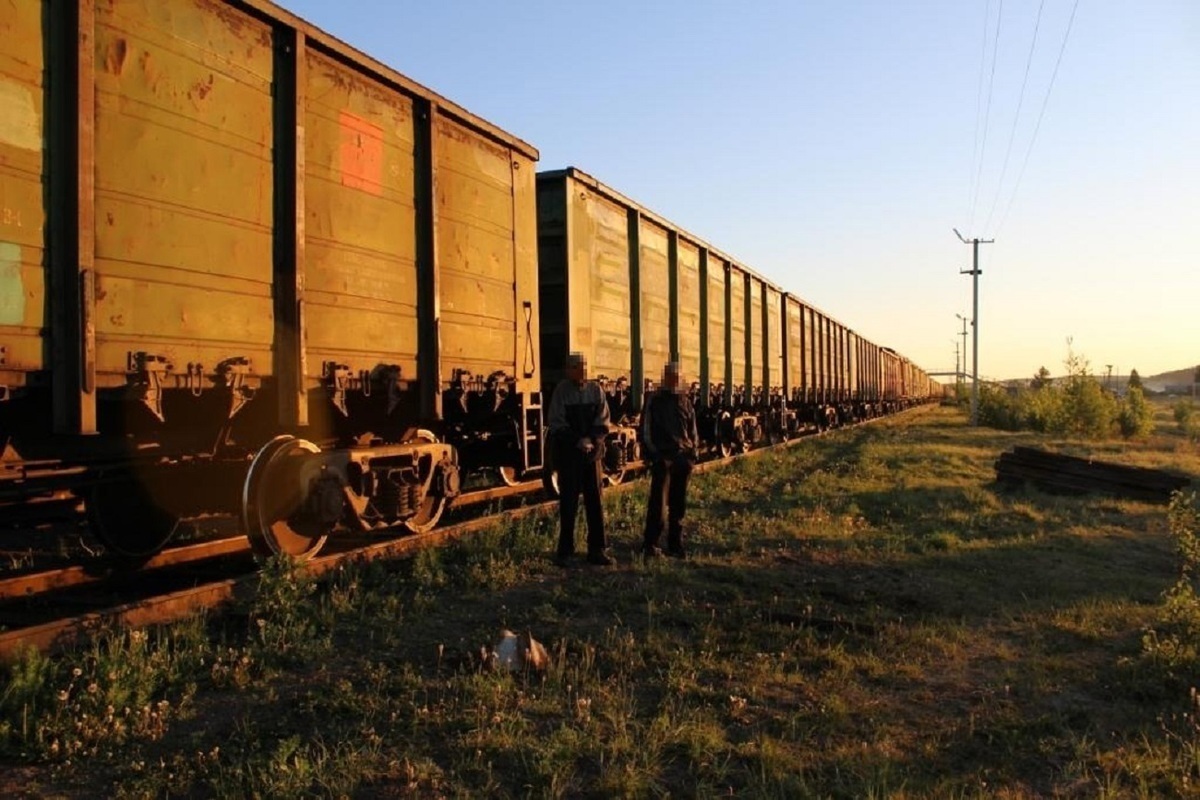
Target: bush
(1175, 642)
(1087, 410)
(999, 409)
(1044, 409)
(1077, 406)
(1187, 419)
(1135, 417)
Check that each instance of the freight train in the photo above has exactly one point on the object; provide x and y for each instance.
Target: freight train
(246, 268)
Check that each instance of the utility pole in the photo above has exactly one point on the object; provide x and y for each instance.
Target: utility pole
(964, 343)
(974, 272)
(1108, 378)
(957, 370)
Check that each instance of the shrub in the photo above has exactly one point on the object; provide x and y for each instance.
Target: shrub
(1174, 642)
(1135, 417)
(1087, 410)
(999, 409)
(1187, 419)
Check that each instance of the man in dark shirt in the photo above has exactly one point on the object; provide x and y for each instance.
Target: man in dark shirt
(670, 440)
(578, 425)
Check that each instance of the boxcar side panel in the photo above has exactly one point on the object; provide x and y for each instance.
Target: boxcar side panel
(755, 331)
(655, 291)
(552, 244)
(821, 354)
(360, 271)
(737, 326)
(795, 355)
(774, 349)
(715, 333)
(184, 184)
(601, 312)
(526, 302)
(852, 352)
(22, 216)
(688, 267)
(476, 251)
(840, 355)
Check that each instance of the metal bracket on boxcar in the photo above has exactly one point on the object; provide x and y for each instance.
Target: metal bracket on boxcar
(530, 359)
(3, 355)
(233, 372)
(146, 372)
(337, 379)
(194, 379)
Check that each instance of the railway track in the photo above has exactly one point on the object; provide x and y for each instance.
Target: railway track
(188, 578)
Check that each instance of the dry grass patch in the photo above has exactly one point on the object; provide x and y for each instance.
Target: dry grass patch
(863, 615)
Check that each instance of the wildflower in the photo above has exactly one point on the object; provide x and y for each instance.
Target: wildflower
(77, 672)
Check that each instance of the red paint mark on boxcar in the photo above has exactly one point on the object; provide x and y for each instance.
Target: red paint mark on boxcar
(361, 154)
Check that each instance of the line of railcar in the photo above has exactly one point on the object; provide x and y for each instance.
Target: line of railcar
(631, 291)
(247, 268)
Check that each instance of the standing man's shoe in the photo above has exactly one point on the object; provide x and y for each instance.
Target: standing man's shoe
(677, 552)
(563, 559)
(599, 560)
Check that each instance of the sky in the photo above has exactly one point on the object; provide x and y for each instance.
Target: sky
(834, 146)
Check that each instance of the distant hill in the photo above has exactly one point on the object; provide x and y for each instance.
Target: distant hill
(1179, 380)
(1176, 382)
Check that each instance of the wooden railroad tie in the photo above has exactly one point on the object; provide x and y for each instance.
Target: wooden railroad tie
(1054, 472)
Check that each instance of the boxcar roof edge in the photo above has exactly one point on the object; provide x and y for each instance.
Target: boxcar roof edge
(371, 65)
(597, 185)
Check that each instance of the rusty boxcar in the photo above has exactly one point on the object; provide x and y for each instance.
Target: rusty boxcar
(631, 291)
(228, 238)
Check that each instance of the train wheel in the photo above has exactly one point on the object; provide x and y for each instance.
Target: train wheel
(432, 506)
(611, 478)
(550, 481)
(508, 476)
(127, 521)
(273, 502)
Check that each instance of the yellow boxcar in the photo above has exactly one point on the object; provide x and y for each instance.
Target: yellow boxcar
(218, 197)
(631, 291)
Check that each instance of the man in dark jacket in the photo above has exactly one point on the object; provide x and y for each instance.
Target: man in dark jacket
(578, 425)
(670, 440)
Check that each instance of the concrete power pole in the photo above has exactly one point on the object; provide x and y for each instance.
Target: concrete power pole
(974, 272)
(957, 369)
(964, 345)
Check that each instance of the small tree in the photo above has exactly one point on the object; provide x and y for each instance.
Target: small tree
(1135, 417)
(1187, 419)
(1041, 380)
(1135, 380)
(1087, 410)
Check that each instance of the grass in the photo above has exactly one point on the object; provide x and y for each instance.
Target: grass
(864, 615)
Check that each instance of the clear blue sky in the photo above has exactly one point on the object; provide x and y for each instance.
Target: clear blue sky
(832, 146)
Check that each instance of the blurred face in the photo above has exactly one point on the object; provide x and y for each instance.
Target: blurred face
(577, 370)
(671, 377)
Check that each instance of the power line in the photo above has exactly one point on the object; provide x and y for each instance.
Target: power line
(1020, 103)
(987, 113)
(1038, 126)
(975, 157)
